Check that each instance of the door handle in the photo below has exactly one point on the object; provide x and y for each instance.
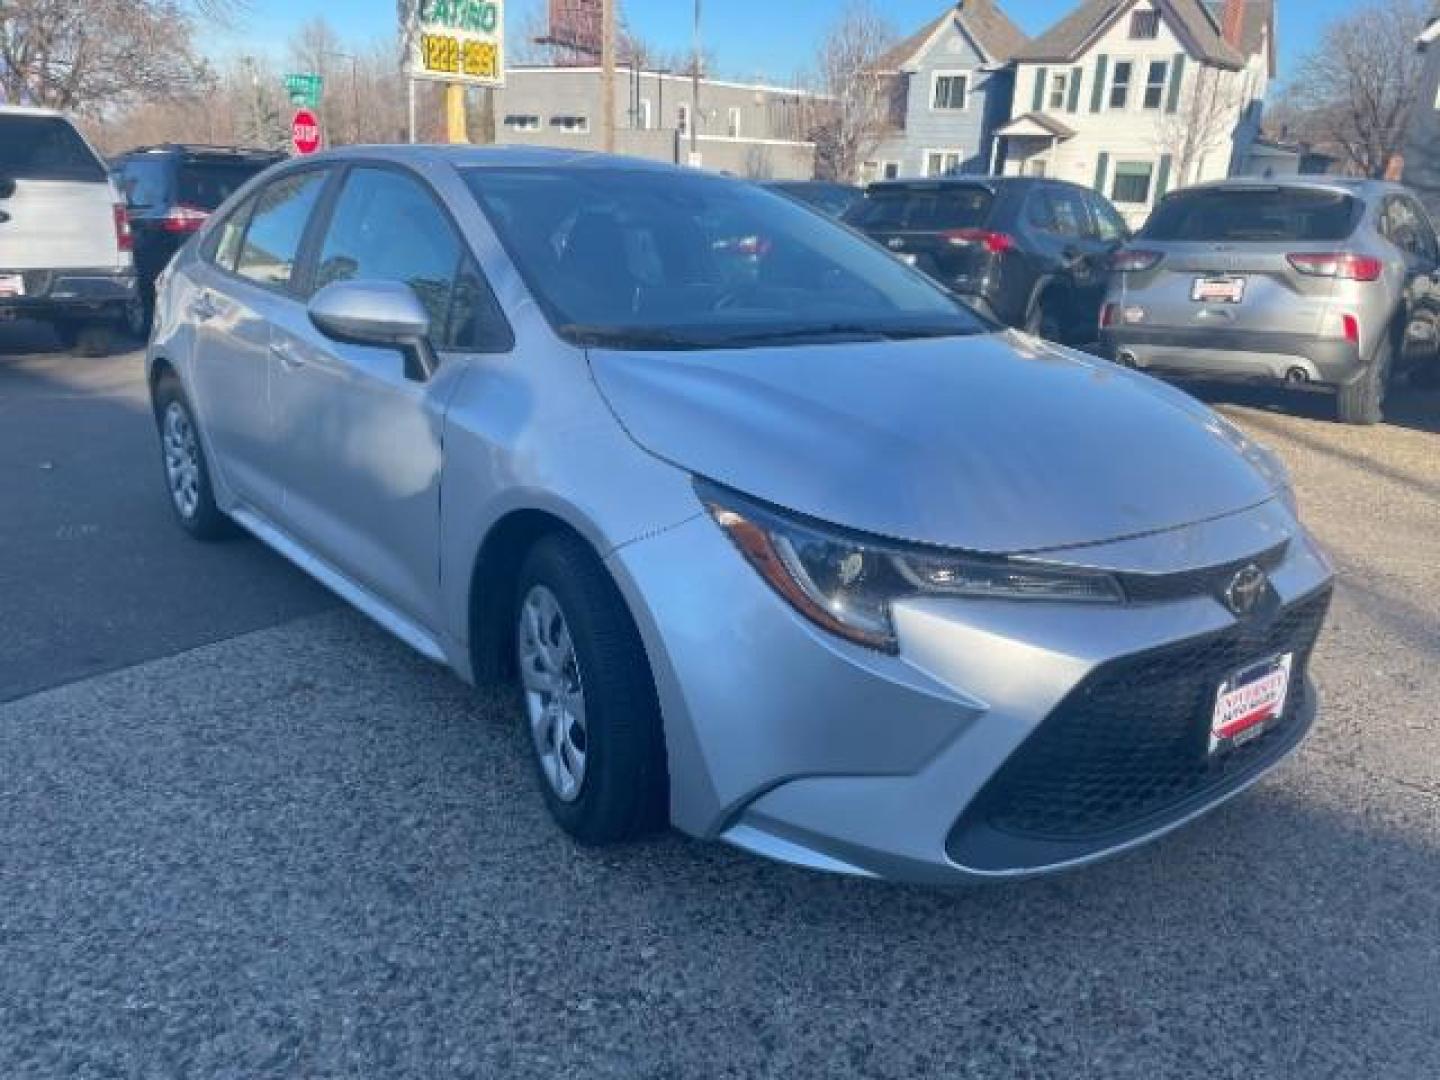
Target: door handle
(285, 352)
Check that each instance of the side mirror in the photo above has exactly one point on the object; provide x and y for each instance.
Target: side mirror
(387, 314)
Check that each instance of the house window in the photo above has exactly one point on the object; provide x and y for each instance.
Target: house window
(942, 163)
(1145, 25)
(1035, 167)
(517, 122)
(890, 170)
(1058, 84)
(732, 127)
(682, 120)
(1132, 182)
(1155, 83)
(1120, 84)
(951, 91)
(571, 125)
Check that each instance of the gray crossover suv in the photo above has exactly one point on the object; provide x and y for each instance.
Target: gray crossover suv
(782, 544)
(1307, 282)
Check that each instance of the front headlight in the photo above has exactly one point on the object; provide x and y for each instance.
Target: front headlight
(846, 583)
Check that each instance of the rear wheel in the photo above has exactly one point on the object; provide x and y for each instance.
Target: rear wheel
(89, 338)
(187, 473)
(590, 701)
(138, 313)
(1362, 402)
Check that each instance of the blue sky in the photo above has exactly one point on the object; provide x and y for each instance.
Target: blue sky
(770, 38)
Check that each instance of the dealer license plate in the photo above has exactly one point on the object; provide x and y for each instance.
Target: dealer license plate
(1218, 290)
(1250, 703)
(12, 285)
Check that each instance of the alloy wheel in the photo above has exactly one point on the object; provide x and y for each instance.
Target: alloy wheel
(554, 696)
(182, 460)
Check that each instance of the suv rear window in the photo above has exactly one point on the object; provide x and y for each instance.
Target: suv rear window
(1285, 214)
(923, 209)
(45, 148)
(208, 182)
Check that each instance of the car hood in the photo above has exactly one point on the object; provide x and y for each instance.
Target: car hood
(997, 443)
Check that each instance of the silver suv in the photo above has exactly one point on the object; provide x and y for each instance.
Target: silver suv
(1322, 282)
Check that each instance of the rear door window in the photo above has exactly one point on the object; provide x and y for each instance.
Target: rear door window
(1404, 225)
(272, 242)
(1290, 215)
(46, 148)
(1068, 211)
(924, 209)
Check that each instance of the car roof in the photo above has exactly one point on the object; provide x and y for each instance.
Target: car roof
(203, 150)
(994, 184)
(29, 110)
(473, 157)
(1343, 185)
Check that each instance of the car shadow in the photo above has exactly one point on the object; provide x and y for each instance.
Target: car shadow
(1407, 405)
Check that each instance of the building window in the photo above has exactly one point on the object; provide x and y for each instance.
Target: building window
(571, 125)
(682, 119)
(1058, 83)
(942, 163)
(1155, 83)
(951, 91)
(1035, 167)
(1120, 84)
(732, 126)
(1145, 25)
(891, 170)
(522, 123)
(1132, 183)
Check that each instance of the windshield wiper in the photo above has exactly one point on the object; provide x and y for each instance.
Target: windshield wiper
(847, 331)
(630, 337)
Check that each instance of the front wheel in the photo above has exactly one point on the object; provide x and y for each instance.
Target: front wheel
(1362, 402)
(590, 702)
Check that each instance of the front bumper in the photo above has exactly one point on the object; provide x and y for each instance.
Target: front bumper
(1251, 355)
(790, 743)
(50, 293)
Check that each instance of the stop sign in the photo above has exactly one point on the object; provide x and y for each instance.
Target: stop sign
(305, 132)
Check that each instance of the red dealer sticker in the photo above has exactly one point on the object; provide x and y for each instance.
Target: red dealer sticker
(1249, 703)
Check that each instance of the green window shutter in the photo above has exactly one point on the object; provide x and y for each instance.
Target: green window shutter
(1102, 168)
(1097, 95)
(1177, 77)
(1041, 74)
(1162, 182)
(1076, 75)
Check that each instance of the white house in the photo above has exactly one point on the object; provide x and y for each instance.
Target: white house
(1137, 97)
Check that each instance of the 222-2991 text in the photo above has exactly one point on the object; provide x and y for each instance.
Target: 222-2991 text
(448, 55)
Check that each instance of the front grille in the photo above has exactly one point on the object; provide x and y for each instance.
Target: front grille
(1129, 747)
(1209, 581)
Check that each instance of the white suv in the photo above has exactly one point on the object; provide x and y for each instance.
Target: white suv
(64, 237)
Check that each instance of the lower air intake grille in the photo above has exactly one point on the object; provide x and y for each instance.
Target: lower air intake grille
(1129, 747)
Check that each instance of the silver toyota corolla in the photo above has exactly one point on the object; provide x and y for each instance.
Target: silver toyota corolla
(783, 546)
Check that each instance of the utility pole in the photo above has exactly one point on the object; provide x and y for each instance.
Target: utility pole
(695, 89)
(455, 113)
(607, 73)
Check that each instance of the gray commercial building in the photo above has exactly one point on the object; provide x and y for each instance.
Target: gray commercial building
(748, 130)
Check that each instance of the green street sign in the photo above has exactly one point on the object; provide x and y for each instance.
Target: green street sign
(305, 88)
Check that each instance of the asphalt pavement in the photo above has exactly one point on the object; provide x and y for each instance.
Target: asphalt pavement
(243, 833)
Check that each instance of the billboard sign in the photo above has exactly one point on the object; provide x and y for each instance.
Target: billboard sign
(461, 41)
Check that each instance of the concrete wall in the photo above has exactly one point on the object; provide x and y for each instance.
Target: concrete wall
(745, 130)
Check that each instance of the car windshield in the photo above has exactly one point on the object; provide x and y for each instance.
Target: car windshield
(1238, 215)
(45, 148)
(652, 259)
(922, 209)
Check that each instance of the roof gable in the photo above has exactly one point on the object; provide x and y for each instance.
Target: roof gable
(1190, 20)
(986, 26)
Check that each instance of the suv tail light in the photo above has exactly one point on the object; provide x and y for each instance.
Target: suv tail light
(124, 239)
(1134, 260)
(1338, 264)
(1109, 316)
(184, 219)
(996, 243)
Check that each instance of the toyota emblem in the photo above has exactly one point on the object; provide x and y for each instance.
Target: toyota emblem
(1246, 590)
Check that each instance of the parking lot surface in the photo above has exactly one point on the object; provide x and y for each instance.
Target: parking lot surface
(243, 833)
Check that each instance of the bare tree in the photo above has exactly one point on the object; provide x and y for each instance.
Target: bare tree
(1356, 90)
(111, 53)
(861, 96)
(1202, 124)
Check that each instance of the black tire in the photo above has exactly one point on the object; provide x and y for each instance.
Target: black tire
(204, 520)
(139, 314)
(88, 338)
(1362, 402)
(624, 792)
